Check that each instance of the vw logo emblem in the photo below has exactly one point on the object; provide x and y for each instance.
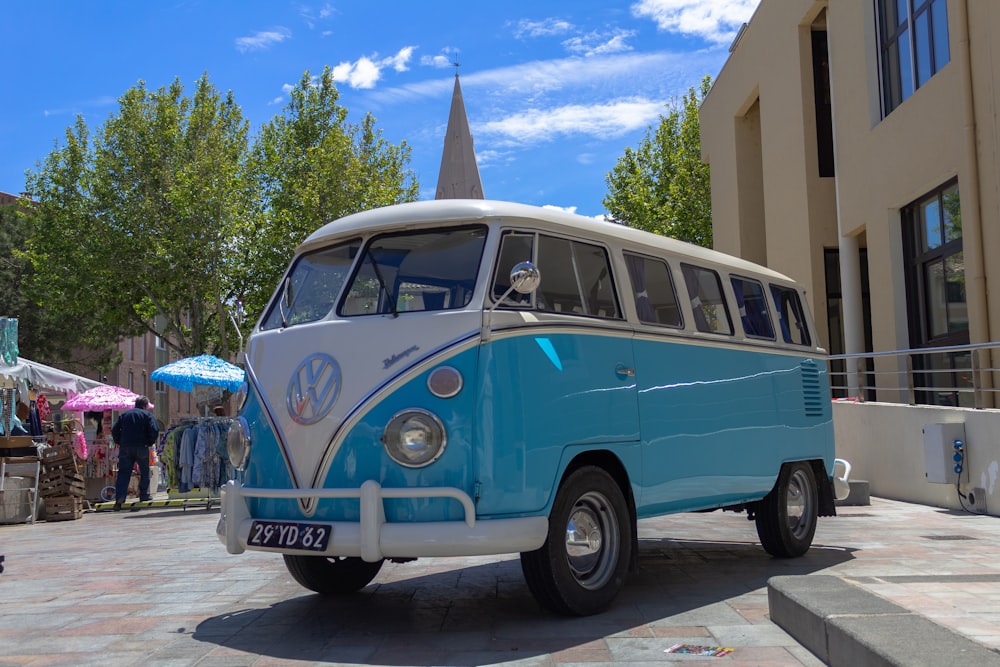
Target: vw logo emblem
(313, 388)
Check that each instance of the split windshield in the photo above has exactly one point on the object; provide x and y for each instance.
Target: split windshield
(396, 273)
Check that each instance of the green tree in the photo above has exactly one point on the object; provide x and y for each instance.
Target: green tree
(312, 166)
(169, 216)
(43, 334)
(132, 232)
(663, 186)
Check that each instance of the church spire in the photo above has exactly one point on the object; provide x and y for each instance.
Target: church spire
(459, 175)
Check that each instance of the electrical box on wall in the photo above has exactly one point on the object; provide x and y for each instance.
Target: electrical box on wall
(946, 456)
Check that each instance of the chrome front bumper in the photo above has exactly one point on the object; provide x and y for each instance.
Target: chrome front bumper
(373, 538)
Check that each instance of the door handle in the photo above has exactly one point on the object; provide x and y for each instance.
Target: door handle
(621, 370)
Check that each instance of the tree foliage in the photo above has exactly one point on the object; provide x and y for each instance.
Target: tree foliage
(312, 166)
(169, 216)
(662, 186)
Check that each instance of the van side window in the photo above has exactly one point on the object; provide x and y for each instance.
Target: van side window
(708, 304)
(515, 247)
(791, 318)
(653, 290)
(753, 308)
(576, 278)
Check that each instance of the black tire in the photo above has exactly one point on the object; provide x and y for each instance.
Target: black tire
(332, 576)
(583, 564)
(787, 516)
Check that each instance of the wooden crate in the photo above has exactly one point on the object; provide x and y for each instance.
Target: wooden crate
(57, 481)
(60, 455)
(63, 508)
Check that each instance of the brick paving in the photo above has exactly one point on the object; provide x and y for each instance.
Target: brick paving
(155, 587)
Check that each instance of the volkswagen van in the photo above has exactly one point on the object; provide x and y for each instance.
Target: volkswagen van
(471, 377)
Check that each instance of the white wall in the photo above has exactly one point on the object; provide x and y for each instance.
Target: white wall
(884, 443)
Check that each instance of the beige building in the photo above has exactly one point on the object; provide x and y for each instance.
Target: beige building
(854, 145)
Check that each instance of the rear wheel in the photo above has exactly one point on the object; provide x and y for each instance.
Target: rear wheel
(332, 576)
(583, 563)
(787, 516)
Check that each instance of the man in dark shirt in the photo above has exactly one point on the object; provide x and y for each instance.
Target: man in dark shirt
(134, 432)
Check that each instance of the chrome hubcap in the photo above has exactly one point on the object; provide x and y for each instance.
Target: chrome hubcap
(799, 504)
(592, 542)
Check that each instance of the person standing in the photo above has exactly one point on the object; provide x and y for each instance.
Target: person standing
(134, 432)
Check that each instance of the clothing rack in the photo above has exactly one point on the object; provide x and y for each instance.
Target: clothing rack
(193, 456)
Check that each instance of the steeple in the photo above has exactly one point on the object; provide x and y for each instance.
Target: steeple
(459, 175)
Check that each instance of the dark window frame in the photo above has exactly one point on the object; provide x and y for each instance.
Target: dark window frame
(908, 45)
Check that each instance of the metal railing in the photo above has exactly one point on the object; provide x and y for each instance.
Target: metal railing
(957, 375)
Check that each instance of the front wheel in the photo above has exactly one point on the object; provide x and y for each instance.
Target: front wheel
(787, 516)
(583, 563)
(332, 576)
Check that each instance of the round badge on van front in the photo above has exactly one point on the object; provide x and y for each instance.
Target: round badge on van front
(313, 388)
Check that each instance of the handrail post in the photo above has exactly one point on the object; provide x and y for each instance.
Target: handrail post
(856, 379)
(977, 394)
(911, 394)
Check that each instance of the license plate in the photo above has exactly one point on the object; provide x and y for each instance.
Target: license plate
(289, 535)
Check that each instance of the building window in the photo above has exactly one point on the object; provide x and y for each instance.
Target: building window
(835, 322)
(938, 313)
(824, 105)
(913, 39)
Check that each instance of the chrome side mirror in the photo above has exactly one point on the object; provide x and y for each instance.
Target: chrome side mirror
(525, 278)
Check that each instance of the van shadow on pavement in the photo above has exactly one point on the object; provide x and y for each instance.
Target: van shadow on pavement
(486, 609)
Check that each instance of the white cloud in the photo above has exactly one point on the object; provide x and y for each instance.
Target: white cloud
(362, 73)
(572, 209)
(714, 20)
(365, 72)
(543, 28)
(262, 40)
(440, 60)
(311, 15)
(402, 57)
(610, 119)
(596, 43)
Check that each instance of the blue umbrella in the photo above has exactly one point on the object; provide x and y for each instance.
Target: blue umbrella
(204, 369)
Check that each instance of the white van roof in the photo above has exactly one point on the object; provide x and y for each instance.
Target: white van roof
(415, 215)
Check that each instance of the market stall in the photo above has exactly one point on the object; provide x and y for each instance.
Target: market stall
(192, 450)
(32, 431)
(101, 456)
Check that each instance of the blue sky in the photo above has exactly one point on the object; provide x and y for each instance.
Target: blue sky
(554, 91)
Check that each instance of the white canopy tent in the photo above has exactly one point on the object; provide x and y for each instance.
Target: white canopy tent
(44, 377)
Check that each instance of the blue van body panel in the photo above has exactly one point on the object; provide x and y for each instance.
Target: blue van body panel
(539, 393)
(715, 420)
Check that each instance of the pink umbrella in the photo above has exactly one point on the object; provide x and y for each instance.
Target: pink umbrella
(105, 397)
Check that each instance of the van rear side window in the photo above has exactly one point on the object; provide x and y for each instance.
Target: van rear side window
(707, 301)
(653, 290)
(791, 318)
(753, 308)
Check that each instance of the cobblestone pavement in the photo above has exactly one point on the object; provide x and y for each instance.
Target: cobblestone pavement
(155, 587)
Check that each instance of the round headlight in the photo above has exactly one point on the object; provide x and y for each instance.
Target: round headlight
(414, 438)
(238, 443)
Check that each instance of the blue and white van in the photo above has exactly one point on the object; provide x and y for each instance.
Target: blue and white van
(470, 377)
